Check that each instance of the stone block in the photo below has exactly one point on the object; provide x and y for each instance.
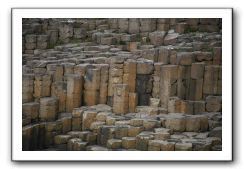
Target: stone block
(181, 27)
(197, 70)
(171, 39)
(133, 100)
(144, 67)
(167, 146)
(142, 141)
(154, 145)
(172, 104)
(168, 83)
(149, 125)
(185, 58)
(154, 102)
(59, 90)
(195, 90)
(198, 107)
(114, 143)
(183, 147)
(66, 124)
(57, 71)
(61, 139)
(129, 142)
(163, 54)
(193, 123)
(184, 106)
(161, 136)
(27, 88)
(217, 55)
(91, 97)
(123, 24)
(121, 98)
(48, 109)
(42, 86)
(105, 133)
(136, 122)
(213, 103)
(88, 118)
(31, 38)
(74, 92)
(121, 131)
(176, 123)
(31, 110)
(203, 56)
(157, 38)
(134, 26)
(147, 24)
(134, 131)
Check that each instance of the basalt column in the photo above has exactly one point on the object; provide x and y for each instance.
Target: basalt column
(144, 81)
(168, 83)
(27, 87)
(115, 76)
(92, 86)
(74, 92)
(121, 99)
(129, 78)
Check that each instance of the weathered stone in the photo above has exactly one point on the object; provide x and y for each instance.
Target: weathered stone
(74, 92)
(184, 106)
(183, 147)
(213, 103)
(48, 109)
(154, 145)
(59, 90)
(197, 70)
(61, 139)
(185, 58)
(142, 141)
(157, 38)
(163, 54)
(31, 110)
(104, 134)
(136, 122)
(217, 55)
(176, 123)
(144, 67)
(42, 86)
(149, 125)
(134, 25)
(27, 87)
(66, 124)
(161, 136)
(121, 98)
(216, 132)
(171, 38)
(133, 99)
(193, 123)
(129, 142)
(168, 79)
(88, 118)
(167, 146)
(134, 131)
(114, 143)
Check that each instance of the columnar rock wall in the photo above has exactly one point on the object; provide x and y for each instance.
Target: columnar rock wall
(122, 84)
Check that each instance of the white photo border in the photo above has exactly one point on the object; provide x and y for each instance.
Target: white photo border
(227, 147)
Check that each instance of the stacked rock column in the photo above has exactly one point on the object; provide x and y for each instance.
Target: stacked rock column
(74, 92)
(92, 86)
(129, 78)
(144, 81)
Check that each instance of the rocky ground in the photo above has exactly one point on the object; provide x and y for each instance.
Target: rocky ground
(122, 84)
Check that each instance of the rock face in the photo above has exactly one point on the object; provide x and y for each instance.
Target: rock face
(142, 84)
